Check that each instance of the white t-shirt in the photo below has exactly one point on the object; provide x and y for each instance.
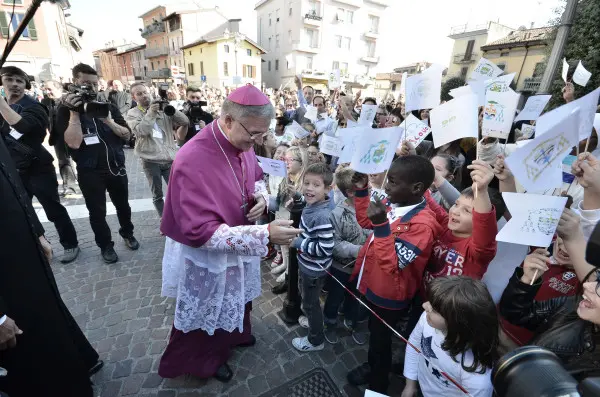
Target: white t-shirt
(427, 368)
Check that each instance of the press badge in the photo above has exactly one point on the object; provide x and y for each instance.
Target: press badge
(157, 134)
(15, 134)
(91, 139)
(197, 127)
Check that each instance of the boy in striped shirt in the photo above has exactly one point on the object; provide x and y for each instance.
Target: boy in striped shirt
(315, 250)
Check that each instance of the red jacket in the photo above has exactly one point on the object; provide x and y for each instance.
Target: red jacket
(394, 257)
(467, 256)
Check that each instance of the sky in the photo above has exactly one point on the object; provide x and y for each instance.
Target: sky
(415, 30)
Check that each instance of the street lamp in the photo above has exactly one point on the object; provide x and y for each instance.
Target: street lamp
(236, 38)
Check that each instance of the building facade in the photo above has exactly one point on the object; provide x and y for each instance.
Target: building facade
(50, 46)
(522, 52)
(157, 47)
(468, 41)
(312, 38)
(228, 60)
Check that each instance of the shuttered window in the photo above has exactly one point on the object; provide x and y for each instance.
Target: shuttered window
(30, 31)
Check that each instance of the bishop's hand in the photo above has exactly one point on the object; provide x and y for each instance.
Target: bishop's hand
(8, 334)
(259, 208)
(281, 232)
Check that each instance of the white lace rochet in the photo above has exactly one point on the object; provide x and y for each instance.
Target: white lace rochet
(213, 283)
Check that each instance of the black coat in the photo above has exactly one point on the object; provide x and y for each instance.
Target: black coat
(52, 357)
(555, 322)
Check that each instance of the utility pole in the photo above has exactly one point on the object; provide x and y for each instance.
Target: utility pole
(559, 45)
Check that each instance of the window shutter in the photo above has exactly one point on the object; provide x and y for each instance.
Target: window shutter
(253, 72)
(3, 24)
(32, 30)
(244, 70)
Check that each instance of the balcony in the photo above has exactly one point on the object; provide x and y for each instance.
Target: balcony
(385, 3)
(461, 59)
(152, 29)
(160, 73)
(175, 52)
(370, 59)
(532, 84)
(156, 52)
(372, 34)
(313, 19)
(304, 47)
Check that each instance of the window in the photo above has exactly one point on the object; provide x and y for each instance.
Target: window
(269, 66)
(30, 31)
(335, 66)
(309, 63)
(276, 41)
(290, 13)
(312, 7)
(312, 38)
(371, 49)
(463, 72)
(338, 41)
(469, 51)
(277, 15)
(226, 48)
(165, 63)
(190, 69)
(344, 68)
(269, 19)
(225, 68)
(289, 37)
(277, 64)
(340, 14)
(349, 16)
(504, 54)
(373, 24)
(249, 52)
(394, 87)
(248, 71)
(201, 68)
(11, 2)
(152, 65)
(190, 53)
(269, 44)
(346, 43)
(173, 44)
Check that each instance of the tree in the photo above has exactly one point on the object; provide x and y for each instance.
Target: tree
(583, 44)
(451, 84)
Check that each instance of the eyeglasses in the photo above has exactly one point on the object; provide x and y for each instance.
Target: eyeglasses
(292, 160)
(254, 136)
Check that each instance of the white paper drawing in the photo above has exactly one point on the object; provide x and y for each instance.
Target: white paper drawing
(581, 76)
(500, 83)
(335, 80)
(369, 393)
(499, 113)
(350, 137)
(535, 165)
(272, 167)
(367, 114)
(485, 70)
(597, 123)
(423, 90)
(533, 107)
(534, 218)
(565, 69)
(455, 119)
(331, 145)
(478, 88)
(287, 137)
(375, 150)
(461, 91)
(415, 131)
(527, 130)
(587, 109)
(298, 130)
(311, 113)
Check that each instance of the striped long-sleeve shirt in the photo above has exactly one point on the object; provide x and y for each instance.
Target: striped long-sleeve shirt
(315, 244)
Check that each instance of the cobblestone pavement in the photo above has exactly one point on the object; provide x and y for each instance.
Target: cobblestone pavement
(120, 309)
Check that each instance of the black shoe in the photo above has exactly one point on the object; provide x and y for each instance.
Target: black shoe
(250, 343)
(280, 288)
(97, 367)
(224, 373)
(131, 243)
(360, 375)
(109, 255)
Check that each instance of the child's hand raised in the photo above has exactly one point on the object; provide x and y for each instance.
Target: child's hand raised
(481, 174)
(360, 180)
(569, 228)
(501, 171)
(587, 171)
(377, 212)
(535, 265)
(406, 149)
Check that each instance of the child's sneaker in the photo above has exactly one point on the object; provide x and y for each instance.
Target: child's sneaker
(348, 325)
(303, 321)
(331, 335)
(281, 278)
(278, 260)
(360, 338)
(304, 345)
(279, 269)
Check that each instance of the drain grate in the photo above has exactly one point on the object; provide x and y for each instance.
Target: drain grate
(315, 383)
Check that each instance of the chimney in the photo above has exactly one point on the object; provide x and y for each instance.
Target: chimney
(234, 25)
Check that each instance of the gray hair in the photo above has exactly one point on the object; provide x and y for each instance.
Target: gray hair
(237, 111)
(138, 84)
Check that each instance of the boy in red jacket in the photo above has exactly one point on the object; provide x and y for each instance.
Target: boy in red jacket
(390, 266)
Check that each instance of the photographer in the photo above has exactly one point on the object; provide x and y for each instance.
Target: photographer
(155, 142)
(97, 148)
(194, 112)
(23, 127)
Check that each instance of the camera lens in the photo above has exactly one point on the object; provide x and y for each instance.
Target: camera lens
(169, 110)
(97, 110)
(532, 371)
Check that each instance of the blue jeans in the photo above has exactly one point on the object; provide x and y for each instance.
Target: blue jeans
(353, 311)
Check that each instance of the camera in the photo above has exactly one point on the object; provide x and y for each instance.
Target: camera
(90, 106)
(164, 100)
(195, 110)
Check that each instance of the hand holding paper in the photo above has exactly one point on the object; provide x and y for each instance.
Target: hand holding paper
(481, 174)
(534, 266)
(587, 171)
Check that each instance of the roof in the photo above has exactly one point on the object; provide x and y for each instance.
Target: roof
(520, 38)
(132, 49)
(217, 38)
(149, 11)
(260, 3)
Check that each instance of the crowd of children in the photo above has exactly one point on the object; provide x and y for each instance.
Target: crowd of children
(414, 244)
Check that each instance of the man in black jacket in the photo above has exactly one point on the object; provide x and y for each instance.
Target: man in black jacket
(97, 148)
(23, 127)
(194, 112)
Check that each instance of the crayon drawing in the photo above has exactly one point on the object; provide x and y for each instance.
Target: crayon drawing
(544, 155)
(376, 153)
(543, 220)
